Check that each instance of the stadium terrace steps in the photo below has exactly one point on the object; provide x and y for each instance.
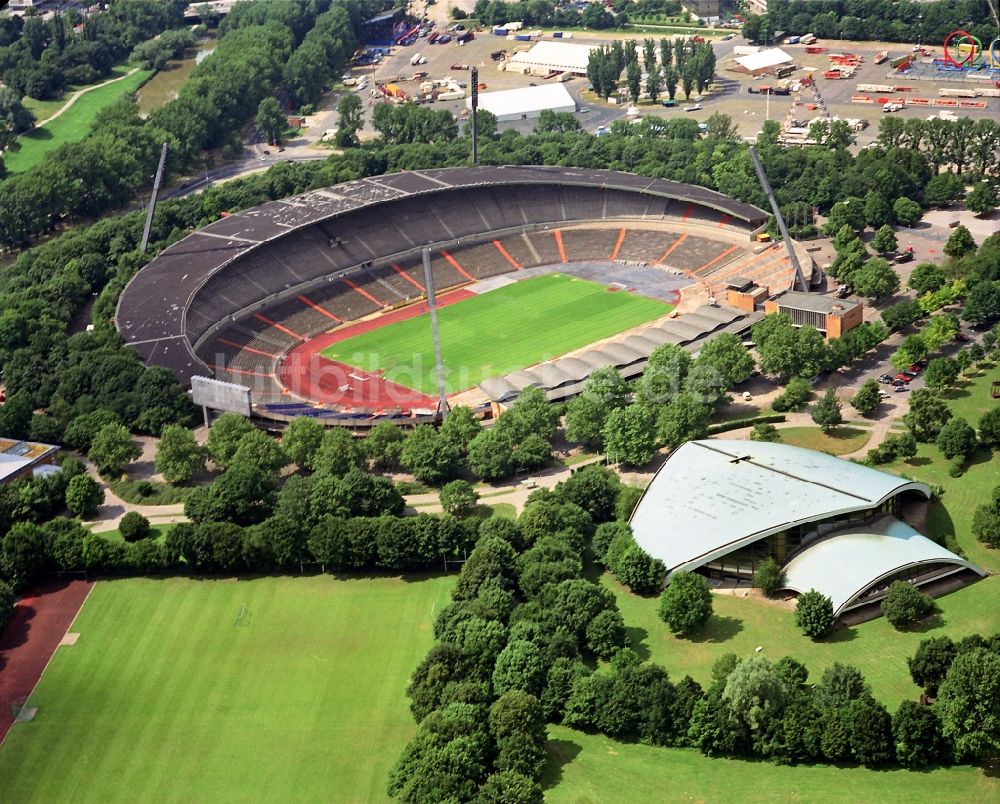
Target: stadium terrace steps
(645, 245)
(483, 261)
(546, 247)
(583, 244)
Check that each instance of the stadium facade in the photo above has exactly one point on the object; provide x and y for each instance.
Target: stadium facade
(722, 507)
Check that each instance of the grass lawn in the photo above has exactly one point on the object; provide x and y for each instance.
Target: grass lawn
(164, 698)
(157, 532)
(507, 510)
(509, 328)
(592, 768)
(740, 625)
(162, 493)
(71, 126)
(839, 441)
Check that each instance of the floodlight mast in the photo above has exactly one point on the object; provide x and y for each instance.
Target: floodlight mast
(152, 200)
(474, 78)
(442, 408)
(800, 282)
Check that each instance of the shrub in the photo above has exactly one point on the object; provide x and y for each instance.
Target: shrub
(764, 432)
(686, 604)
(768, 577)
(84, 496)
(796, 394)
(905, 604)
(134, 527)
(814, 614)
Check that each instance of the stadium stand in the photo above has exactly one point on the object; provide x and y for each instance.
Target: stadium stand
(257, 282)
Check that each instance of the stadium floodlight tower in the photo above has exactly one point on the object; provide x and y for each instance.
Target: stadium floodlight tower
(442, 406)
(152, 200)
(474, 79)
(800, 282)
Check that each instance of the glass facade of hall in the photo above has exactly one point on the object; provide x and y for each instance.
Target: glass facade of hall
(782, 546)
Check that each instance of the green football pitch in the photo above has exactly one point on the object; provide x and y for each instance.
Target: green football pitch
(500, 331)
(168, 697)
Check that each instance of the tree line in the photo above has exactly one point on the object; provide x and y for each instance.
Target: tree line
(879, 20)
(683, 62)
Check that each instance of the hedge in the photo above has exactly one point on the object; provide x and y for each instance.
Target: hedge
(736, 424)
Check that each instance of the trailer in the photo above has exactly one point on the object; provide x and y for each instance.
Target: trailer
(808, 39)
(882, 57)
(881, 88)
(949, 92)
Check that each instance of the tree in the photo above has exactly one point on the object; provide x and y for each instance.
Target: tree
(383, 445)
(729, 357)
(885, 239)
(814, 614)
(606, 634)
(867, 400)
(303, 437)
(916, 735)
(876, 279)
(271, 120)
(959, 243)
(756, 693)
(768, 577)
(259, 449)
(349, 120)
(904, 604)
(23, 553)
(461, 426)
(595, 489)
(224, 437)
(459, 498)
(878, 213)
(826, 412)
(900, 315)
(520, 666)
(629, 435)
(957, 440)
(982, 199)
(682, 419)
(906, 211)
(178, 456)
(982, 306)
(986, 520)
(507, 786)
(839, 685)
(870, 732)
(633, 79)
(113, 449)
(686, 604)
(926, 278)
(941, 372)
(338, 453)
(84, 496)
(849, 212)
(928, 414)
(134, 527)
(929, 665)
(969, 704)
(795, 395)
(989, 428)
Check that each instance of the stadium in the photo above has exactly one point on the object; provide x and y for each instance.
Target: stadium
(318, 302)
(722, 507)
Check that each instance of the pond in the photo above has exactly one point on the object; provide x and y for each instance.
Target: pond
(164, 86)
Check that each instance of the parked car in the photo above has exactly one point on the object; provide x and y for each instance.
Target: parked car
(884, 378)
(910, 374)
(694, 107)
(903, 377)
(844, 291)
(906, 256)
(669, 103)
(883, 394)
(915, 367)
(901, 388)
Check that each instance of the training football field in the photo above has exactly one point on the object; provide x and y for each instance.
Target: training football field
(171, 695)
(497, 332)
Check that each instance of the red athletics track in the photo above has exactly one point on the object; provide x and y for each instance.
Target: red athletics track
(35, 630)
(306, 373)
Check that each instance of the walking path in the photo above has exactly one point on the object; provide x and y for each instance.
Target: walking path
(80, 92)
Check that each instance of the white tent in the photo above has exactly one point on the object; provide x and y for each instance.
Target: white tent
(763, 60)
(523, 104)
(557, 57)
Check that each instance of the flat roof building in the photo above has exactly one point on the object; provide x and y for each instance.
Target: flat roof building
(832, 317)
(525, 103)
(551, 57)
(722, 507)
(24, 458)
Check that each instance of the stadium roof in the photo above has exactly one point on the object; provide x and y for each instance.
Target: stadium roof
(845, 564)
(153, 308)
(691, 331)
(764, 59)
(511, 104)
(712, 497)
(560, 57)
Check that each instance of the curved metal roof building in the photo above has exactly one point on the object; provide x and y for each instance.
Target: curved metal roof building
(714, 498)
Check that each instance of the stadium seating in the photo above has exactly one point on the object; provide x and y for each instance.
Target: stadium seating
(584, 244)
(645, 245)
(546, 247)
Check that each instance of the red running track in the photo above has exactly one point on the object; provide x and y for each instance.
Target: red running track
(35, 630)
(307, 374)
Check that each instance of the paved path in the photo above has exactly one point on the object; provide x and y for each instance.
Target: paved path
(80, 92)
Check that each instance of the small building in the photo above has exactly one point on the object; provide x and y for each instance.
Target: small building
(25, 458)
(526, 103)
(551, 57)
(832, 317)
(744, 294)
(763, 62)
